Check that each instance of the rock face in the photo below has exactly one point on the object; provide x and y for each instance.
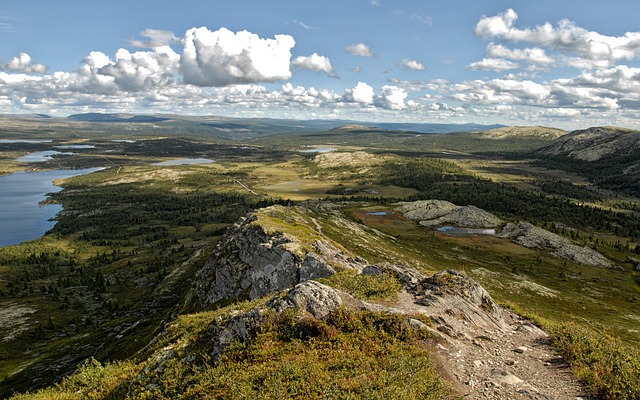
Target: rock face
(249, 263)
(528, 235)
(439, 212)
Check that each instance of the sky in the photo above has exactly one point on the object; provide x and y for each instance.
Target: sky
(568, 64)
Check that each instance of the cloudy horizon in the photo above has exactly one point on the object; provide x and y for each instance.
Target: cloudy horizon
(512, 66)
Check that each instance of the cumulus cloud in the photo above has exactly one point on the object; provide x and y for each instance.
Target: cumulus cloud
(22, 63)
(142, 71)
(314, 62)
(493, 64)
(360, 50)
(361, 93)
(220, 58)
(566, 36)
(392, 98)
(155, 38)
(411, 65)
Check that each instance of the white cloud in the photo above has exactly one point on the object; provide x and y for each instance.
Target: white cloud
(220, 58)
(566, 36)
(534, 55)
(411, 64)
(22, 63)
(493, 64)
(392, 98)
(360, 50)
(499, 25)
(424, 19)
(314, 62)
(155, 38)
(361, 93)
(142, 71)
(304, 26)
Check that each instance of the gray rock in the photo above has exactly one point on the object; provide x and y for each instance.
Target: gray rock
(531, 236)
(501, 377)
(427, 209)
(249, 263)
(372, 270)
(453, 293)
(313, 297)
(438, 212)
(313, 267)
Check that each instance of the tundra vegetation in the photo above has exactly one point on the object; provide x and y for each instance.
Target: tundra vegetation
(110, 284)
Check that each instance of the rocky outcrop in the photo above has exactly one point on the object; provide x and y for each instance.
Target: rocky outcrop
(528, 235)
(249, 263)
(311, 297)
(439, 212)
(314, 298)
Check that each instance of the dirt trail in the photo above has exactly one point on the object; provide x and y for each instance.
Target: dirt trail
(489, 352)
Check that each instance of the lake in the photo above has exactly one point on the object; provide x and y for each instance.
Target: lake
(185, 161)
(42, 156)
(21, 215)
(318, 150)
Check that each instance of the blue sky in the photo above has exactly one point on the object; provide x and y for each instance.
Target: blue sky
(569, 64)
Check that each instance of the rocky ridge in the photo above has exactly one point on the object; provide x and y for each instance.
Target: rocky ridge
(487, 352)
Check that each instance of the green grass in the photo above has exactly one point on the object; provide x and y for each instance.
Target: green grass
(367, 287)
(351, 355)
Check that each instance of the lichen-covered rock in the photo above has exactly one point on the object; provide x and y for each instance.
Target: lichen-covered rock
(423, 210)
(247, 263)
(439, 212)
(313, 267)
(531, 236)
(313, 297)
(450, 293)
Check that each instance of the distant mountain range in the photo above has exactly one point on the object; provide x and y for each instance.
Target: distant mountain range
(267, 125)
(98, 117)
